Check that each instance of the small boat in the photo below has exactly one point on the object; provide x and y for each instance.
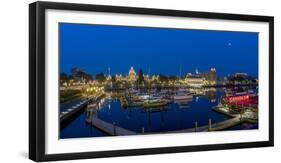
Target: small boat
(133, 91)
(154, 102)
(182, 95)
(144, 97)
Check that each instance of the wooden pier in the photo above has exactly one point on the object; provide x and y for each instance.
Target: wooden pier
(213, 127)
(110, 129)
(74, 110)
(113, 129)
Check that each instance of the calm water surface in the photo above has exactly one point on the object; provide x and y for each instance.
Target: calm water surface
(172, 117)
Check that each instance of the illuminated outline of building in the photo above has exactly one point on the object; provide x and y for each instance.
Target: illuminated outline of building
(132, 76)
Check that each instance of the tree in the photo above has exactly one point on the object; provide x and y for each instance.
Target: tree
(88, 77)
(140, 77)
(64, 77)
(100, 77)
(238, 79)
(173, 78)
(163, 78)
(78, 74)
(113, 79)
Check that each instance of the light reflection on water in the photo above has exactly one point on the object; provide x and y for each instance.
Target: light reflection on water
(172, 117)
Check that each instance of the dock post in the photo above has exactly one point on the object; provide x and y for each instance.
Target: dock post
(195, 126)
(142, 130)
(240, 116)
(114, 128)
(89, 116)
(210, 125)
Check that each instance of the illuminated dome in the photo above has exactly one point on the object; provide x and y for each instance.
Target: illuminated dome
(132, 75)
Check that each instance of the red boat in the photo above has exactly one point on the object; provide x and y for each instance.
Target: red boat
(241, 99)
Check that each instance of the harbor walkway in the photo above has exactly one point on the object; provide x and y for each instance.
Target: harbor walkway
(109, 128)
(72, 108)
(214, 127)
(113, 129)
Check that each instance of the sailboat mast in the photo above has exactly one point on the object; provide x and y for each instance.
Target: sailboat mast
(180, 72)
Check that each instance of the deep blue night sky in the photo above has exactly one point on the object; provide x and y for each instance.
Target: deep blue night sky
(95, 48)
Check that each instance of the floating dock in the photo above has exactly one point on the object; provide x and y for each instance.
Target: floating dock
(213, 127)
(66, 116)
(74, 110)
(108, 128)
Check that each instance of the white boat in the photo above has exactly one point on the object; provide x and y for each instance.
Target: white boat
(153, 99)
(133, 91)
(144, 97)
(182, 95)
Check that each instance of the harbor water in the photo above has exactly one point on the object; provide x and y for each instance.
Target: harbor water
(174, 116)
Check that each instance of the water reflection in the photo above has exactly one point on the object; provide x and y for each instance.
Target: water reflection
(174, 116)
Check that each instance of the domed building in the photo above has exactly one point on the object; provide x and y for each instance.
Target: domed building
(132, 76)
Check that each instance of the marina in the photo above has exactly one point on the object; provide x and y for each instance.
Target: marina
(156, 80)
(159, 112)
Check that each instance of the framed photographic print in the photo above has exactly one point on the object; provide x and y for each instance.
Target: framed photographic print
(117, 81)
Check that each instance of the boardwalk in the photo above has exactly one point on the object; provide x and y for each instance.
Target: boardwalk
(68, 110)
(109, 128)
(113, 129)
(227, 124)
(214, 127)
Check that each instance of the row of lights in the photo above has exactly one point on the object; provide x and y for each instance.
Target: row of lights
(96, 89)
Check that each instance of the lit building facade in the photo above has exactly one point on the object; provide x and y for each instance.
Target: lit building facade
(201, 79)
(155, 78)
(146, 77)
(132, 76)
(210, 76)
(108, 78)
(118, 77)
(194, 81)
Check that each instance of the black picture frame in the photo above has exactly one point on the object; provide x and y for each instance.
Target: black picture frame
(37, 80)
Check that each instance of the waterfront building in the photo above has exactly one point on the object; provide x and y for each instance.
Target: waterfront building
(146, 77)
(132, 76)
(189, 74)
(201, 79)
(155, 78)
(241, 78)
(108, 78)
(194, 81)
(210, 76)
(239, 74)
(118, 77)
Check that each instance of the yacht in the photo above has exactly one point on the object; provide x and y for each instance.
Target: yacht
(182, 95)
